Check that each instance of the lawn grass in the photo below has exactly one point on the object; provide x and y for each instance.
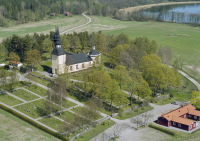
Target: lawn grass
(15, 129)
(182, 136)
(39, 80)
(68, 104)
(39, 74)
(45, 66)
(35, 109)
(52, 122)
(78, 109)
(95, 131)
(37, 89)
(9, 100)
(134, 113)
(25, 95)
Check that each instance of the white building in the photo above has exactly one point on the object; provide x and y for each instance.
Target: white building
(63, 62)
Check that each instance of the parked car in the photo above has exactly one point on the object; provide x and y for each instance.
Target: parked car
(175, 103)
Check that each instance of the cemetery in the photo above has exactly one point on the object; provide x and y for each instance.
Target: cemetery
(25, 95)
(9, 100)
(38, 90)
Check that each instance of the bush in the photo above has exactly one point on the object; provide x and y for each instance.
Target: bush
(32, 122)
(167, 131)
(103, 123)
(151, 100)
(142, 108)
(120, 112)
(171, 94)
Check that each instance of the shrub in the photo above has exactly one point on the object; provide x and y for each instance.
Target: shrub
(32, 122)
(120, 112)
(167, 131)
(142, 108)
(171, 94)
(103, 123)
(151, 100)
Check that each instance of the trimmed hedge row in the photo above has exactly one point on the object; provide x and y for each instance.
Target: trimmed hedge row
(30, 121)
(161, 129)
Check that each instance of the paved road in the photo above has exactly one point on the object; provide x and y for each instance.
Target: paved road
(80, 25)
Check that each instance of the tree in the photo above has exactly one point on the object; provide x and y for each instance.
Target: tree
(181, 62)
(76, 43)
(100, 43)
(32, 58)
(176, 64)
(14, 76)
(3, 80)
(194, 70)
(13, 57)
(126, 60)
(59, 89)
(3, 52)
(115, 54)
(117, 129)
(65, 42)
(136, 120)
(195, 97)
(112, 89)
(47, 45)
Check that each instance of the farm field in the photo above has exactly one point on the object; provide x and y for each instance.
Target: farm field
(13, 128)
(43, 26)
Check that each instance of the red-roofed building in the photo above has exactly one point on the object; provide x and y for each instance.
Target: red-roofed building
(180, 118)
(67, 13)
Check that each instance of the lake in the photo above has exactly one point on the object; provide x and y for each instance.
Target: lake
(180, 13)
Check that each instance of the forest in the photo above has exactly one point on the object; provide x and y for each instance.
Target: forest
(23, 11)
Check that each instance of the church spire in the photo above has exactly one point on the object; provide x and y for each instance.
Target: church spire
(56, 37)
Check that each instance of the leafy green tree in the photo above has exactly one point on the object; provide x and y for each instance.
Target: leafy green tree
(13, 57)
(65, 42)
(32, 58)
(100, 43)
(47, 45)
(115, 54)
(195, 97)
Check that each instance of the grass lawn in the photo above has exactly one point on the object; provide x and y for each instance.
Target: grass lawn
(95, 131)
(37, 89)
(134, 113)
(52, 122)
(15, 129)
(78, 109)
(39, 74)
(39, 80)
(182, 136)
(68, 104)
(9, 100)
(34, 109)
(25, 95)
(45, 66)
(182, 93)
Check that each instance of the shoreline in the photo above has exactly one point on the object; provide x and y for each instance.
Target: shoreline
(137, 8)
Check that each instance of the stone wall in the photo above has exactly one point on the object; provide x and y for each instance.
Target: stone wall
(163, 97)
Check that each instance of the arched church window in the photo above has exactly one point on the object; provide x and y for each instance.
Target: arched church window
(83, 65)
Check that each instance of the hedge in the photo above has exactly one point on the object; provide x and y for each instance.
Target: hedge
(32, 122)
(161, 129)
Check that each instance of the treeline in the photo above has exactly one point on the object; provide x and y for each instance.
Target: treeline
(35, 10)
(142, 16)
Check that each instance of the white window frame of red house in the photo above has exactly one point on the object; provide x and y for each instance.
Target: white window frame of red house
(185, 116)
(190, 126)
(194, 125)
(195, 117)
(174, 123)
(179, 125)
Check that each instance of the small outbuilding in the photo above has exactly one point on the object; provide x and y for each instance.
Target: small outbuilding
(66, 13)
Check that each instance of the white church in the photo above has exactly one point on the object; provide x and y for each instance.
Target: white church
(64, 62)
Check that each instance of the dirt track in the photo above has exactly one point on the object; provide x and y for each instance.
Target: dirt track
(136, 8)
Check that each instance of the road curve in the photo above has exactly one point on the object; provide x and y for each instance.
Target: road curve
(80, 25)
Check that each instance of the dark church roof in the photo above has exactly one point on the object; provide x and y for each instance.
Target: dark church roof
(56, 37)
(58, 51)
(77, 58)
(93, 52)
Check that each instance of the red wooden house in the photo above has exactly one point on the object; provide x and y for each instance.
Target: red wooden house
(180, 118)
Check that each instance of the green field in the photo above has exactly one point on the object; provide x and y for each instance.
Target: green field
(9, 100)
(38, 90)
(25, 95)
(15, 129)
(43, 26)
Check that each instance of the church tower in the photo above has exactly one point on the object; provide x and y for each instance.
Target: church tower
(58, 55)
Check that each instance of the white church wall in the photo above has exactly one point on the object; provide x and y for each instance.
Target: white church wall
(62, 59)
(54, 62)
(80, 67)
